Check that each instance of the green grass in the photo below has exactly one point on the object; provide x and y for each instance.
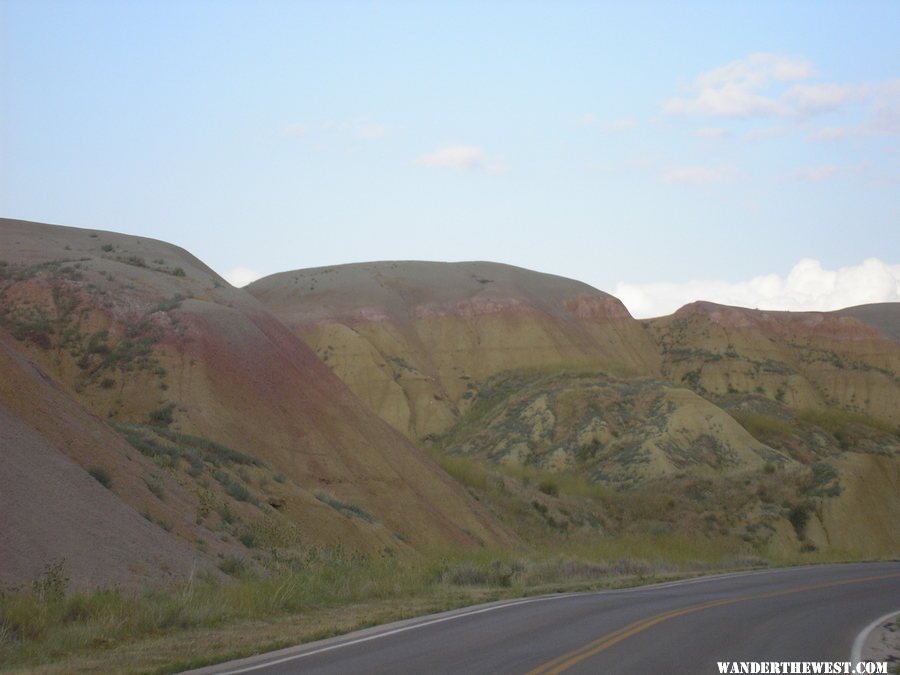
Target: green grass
(763, 427)
(470, 472)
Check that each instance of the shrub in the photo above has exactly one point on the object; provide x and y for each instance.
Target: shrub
(799, 517)
(349, 510)
(549, 487)
(101, 475)
(154, 484)
(163, 416)
(237, 491)
(50, 585)
(234, 566)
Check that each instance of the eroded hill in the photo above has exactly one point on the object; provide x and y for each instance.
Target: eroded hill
(414, 339)
(525, 372)
(219, 397)
(807, 360)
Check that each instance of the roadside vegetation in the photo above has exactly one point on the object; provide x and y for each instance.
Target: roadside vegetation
(42, 623)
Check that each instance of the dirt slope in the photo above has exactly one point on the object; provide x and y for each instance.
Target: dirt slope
(414, 339)
(52, 509)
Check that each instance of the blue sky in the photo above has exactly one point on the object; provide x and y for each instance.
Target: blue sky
(644, 148)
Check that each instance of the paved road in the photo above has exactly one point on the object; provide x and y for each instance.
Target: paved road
(793, 614)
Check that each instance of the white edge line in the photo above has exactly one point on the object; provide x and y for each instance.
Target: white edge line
(860, 641)
(514, 603)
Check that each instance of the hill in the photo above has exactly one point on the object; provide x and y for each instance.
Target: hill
(526, 375)
(807, 360)
(414, 339)
(201, 380)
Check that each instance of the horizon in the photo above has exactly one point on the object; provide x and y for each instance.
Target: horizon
(740, 159)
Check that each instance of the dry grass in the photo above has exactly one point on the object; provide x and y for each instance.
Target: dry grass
(202, 621)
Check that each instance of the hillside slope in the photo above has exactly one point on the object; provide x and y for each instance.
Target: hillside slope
(52, 510)
(220, 395)
(414, 339)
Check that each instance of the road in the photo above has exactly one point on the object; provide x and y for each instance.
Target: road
(793, 614)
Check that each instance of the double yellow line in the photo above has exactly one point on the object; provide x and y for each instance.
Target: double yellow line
(566, 661)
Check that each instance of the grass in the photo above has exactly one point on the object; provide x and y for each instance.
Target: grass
(475, 473)
(148, 439)
(329, 585)
(763, 427)
(836, 420)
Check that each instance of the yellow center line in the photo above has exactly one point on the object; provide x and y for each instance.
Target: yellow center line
(566, 661)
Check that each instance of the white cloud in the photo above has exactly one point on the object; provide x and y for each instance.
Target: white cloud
(810, 99)
(459, 157)
(735, 89)
(700, 175)
(241, 276)
(808, 286)
(771, 85)
(816, 174)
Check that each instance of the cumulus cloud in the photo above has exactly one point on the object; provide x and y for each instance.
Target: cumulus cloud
(808, 286)
(700, 175)
(459, 157)
(241, 276)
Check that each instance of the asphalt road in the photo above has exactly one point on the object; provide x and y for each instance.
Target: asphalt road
(793, 614)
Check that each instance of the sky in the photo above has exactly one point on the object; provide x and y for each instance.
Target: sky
(746, 153)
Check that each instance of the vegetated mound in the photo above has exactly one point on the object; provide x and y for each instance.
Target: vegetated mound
(414, 339)
(808, 360)
(600, 455)
(613, 431)
(205, 382)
